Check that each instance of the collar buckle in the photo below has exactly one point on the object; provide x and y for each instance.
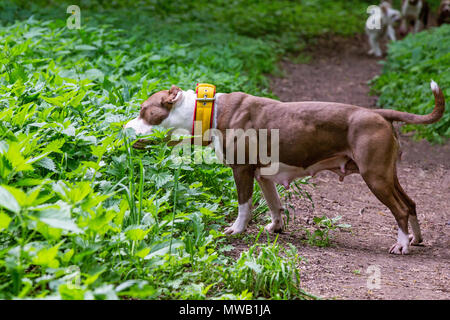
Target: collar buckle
(205, 99)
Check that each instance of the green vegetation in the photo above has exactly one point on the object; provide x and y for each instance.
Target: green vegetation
(405, 82)
(320, 235)
(260, 271)
(82, 214)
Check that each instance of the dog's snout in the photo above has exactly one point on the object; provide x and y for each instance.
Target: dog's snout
(128, 124)
(139, 126)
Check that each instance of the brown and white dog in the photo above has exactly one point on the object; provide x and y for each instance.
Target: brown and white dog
(444, 12)
(313, 136)
(414, 16)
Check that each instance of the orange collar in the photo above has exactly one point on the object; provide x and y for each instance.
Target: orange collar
(203, 113)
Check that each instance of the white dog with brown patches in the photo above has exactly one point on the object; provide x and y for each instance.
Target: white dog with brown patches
(381, 24)
(414, 16)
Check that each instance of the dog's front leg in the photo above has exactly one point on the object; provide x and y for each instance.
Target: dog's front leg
(375, 46)
(243, 177)
(391, 33)
(403, 27)
(273, 201)
(418, 26)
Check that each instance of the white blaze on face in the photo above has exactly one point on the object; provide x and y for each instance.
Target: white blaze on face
(182, 112)
(139, 126)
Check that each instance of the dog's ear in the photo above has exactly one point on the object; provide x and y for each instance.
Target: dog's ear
(173, 95)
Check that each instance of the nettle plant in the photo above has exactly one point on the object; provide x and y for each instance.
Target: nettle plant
(83, 215)
(73, 193)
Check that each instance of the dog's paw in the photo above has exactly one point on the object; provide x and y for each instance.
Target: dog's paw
(236, 228)
(274, 227)
(378, 54)
(415, 242)
(232, 231)
(399, 249)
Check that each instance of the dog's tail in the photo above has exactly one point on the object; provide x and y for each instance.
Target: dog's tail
(438, 111)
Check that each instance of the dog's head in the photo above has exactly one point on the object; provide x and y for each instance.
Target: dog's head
(154, 111)
(444, 12)
(445, 7)
(157, 107)
(392, 16)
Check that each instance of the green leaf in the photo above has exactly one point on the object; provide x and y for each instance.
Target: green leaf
(94, 74)
(26, 199)
(161, 178)
(57, 217)
(67, 256)
(47, 163)
(57, 101)
(54, 146)
(91, 278)
(70, 292)
(73, 194)
(254, 266)
(136, 234)
(46, 257)
(5, 220)
(8, 201)
(48, 232)
(70, 130)
(163, 248)
(18, 162)
(85, 47)
(142, 253)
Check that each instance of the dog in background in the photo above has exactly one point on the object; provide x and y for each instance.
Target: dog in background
(414, 16)
(444, 12)
(388, 19)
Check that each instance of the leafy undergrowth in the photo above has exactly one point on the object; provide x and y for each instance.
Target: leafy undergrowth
(82, 214)
(405, 82)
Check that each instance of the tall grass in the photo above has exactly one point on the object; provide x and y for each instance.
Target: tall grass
(260, 270)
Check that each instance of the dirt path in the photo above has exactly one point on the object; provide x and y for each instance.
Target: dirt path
(339, 71)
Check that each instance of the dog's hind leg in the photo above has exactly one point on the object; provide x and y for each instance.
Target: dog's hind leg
(375, 153)
(384, 189)
(273, 201)
(416, 237)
